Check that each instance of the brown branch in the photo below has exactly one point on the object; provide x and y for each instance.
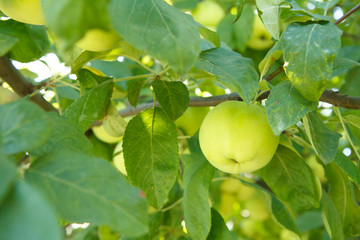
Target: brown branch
(346, 15)
(328, 96)
(20, 84)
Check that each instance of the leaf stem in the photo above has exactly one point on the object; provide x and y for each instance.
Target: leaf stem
(133, 77)
(57, 100)
(172, 205)
(338, 113)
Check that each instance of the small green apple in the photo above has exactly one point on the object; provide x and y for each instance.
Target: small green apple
(260, 38)
(191, 120)
(236, 137)
(101, 134)
(208, 13)
(98, 40)
(26, 11)
(257, 209)
(234, 186)
(118, 159)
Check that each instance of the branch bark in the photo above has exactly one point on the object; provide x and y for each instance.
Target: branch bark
(20, 84)
(328, 96)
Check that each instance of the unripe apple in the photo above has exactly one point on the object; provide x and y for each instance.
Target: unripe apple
(260, 38)
(236, 137)
(101, 134)
(208, 13)
(26, 11)
(234, 186)
(257, 209)
(98, 40)
(118, 159)
(191, 120)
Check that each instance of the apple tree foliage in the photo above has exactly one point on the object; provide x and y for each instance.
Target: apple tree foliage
(55, 173)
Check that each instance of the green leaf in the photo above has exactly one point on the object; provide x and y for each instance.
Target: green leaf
(91, 106)
(151, 154)
(278, 209)
(326, 5)
(134, 87)
(341, 196)
(89, 189)
(32, 41)
(309, 53)
(347, 167)
(65, 135)
(219, 230)
(323, 140)
(295, 9)
(7, 176)
(89, 79)
(198, 173)
(270, 15)
(272, 55)
(82, 57)
(236, 35)
(231, 69)
(285, 107)
(6, 43)
(342, 65)
(331, 218)
(309, 220)
(80, 16)
(23, 127)
(291, 179)
(172, 96)
(209, 35)
(25, 214)
(239, 5)
(159, 29)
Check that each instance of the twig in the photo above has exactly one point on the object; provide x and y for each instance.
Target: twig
(20, 84)
(328, 96)
(346, 15)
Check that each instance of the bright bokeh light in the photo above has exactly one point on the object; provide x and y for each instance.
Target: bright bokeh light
(48, 66)
(245, 213)
(230, 225)
(338, 13)
(347, 152)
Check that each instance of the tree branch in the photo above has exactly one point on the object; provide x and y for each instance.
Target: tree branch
(20, 84)
(346, 15)
(328, 96)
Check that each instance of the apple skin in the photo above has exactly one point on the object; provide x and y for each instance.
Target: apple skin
(233, 186)
(191, 120)
(101, 134)
(235, 137)
(98, 40)
(26, 11)
(208, 13)
(118, 159)
(260, 38)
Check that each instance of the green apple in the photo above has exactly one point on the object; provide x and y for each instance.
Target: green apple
(260, 38)
(257, 209)
(236, 137)
(191, 120)
(208, 13)
(234, 186)
(101, 134)
(118, 159)
(98, 40)
(26, 11)
(6, 95)
(226, 208)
